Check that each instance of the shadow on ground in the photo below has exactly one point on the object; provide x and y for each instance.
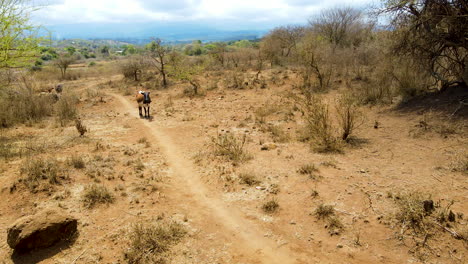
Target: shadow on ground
(453, 103)
(39, 255)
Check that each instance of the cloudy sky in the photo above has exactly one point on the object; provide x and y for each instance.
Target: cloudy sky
(235, 13)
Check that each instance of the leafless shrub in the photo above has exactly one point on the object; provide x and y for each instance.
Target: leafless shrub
(349, 116)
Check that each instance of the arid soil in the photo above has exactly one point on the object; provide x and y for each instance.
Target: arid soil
(164, 168)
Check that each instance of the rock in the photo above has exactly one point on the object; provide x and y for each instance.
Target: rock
(428, 206)
(268, 146)
(41, 230)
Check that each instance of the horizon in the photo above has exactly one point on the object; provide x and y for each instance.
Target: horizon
(179, 20)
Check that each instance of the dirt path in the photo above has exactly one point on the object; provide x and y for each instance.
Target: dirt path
(248, 238)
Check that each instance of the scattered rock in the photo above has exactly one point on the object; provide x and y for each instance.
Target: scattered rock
(41, 230)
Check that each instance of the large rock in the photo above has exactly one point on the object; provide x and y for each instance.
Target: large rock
(41, 230)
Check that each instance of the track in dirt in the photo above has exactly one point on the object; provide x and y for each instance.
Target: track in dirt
(249, 238)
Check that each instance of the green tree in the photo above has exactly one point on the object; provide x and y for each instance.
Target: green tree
(71, 50)
(18, 37)
(105, 50)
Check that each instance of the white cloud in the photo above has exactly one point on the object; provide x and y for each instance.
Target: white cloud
(242, 11)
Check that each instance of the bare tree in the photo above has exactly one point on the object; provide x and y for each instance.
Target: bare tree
(343, 26)
(158, 54)
(281, 42)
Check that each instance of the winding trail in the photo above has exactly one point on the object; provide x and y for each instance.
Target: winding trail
(243, 233)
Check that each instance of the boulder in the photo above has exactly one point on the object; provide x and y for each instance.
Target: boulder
(41, 230)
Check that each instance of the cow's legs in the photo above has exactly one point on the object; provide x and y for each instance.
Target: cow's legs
(139, 109)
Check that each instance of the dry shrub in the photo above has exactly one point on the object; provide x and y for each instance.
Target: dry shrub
(319, 126)
(377, 87)
(132, 67)
(76, 161)
(460, 163)
(231, 147)
(263, 112)
(277, 133)
(323, 211)
(23, 105)
(270, 206)
(97, 194)
(151, 243)
(249, 179)
(309, 169)
(38, 170)
(349, 116)
(327, 212)
(66, 109)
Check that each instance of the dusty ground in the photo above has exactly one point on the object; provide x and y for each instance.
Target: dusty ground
(183, 181)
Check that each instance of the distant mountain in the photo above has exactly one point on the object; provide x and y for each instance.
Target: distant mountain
(142, 32)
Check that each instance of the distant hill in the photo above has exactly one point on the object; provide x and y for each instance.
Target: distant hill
(143, 32)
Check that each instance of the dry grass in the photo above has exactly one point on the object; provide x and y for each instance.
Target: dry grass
(76, 161)
(151, 243)
(333, 222)
(38, 170)
(270, 206)
(66, 109)
(308, 169)
(97, 194)
(460, 163)
(23, 105)
(249, 179)
(231, 147)
(324, 211)
(319, 127)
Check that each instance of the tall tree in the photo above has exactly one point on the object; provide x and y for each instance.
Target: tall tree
(434, 33)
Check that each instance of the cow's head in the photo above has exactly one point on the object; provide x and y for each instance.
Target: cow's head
(146, 97)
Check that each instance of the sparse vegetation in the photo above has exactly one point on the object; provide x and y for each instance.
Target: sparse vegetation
(308, 169)
(248, 179)
(231, 147)
(324, 211)
(270, 206)
(37, 170)
(66, 109)
(96, 194)
(76, 161)
(328, 213)
(151, 243)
